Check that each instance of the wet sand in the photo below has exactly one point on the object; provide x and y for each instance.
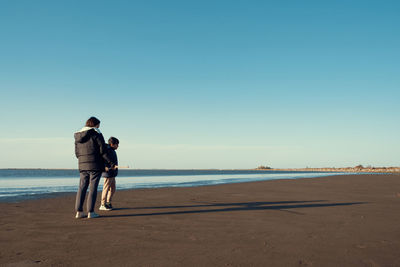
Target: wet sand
(348, 220)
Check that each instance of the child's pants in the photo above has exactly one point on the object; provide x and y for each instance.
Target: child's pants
(108, 190)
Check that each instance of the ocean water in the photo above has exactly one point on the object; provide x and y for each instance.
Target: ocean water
(20, 184)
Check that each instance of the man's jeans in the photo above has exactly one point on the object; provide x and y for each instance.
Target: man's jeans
(88, 179)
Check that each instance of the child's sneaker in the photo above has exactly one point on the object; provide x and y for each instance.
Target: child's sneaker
(80, 215)
(104, 207)
(92, 215)
(109, 206)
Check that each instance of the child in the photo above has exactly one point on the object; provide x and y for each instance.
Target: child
(109, 176)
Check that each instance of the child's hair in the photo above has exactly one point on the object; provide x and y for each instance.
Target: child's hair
(92, 122)
(113, 140)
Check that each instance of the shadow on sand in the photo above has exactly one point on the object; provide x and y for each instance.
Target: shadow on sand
(225, 207)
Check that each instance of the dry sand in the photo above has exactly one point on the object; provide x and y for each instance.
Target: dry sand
(349, 220)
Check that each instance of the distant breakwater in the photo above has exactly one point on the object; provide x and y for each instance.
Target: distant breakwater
(346, 169)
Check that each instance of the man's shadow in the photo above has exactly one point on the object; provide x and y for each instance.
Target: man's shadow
(226, 207)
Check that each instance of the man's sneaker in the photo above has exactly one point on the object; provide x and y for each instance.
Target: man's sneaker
(80, 215)
(109, 206)
(92, 215)
(104, 207)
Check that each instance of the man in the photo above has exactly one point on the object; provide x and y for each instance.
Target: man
(91, 151)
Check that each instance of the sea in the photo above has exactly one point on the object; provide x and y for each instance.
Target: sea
(21, 184)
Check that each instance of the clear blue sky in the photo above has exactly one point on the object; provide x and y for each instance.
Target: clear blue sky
(202, 84)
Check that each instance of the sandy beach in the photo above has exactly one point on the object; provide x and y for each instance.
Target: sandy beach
(347, 220)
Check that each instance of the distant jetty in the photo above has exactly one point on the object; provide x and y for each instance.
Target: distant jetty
(358, 168)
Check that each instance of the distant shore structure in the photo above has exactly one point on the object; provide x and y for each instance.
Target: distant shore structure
(358, 168)
(263, 168)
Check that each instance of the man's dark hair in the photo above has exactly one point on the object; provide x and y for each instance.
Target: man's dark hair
(92, 122)
(113, 140)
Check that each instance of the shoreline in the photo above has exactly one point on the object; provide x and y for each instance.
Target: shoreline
(49, 194)
(340, 220)
(30, 197)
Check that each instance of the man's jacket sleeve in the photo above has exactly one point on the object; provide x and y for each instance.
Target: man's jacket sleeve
(104, 151)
